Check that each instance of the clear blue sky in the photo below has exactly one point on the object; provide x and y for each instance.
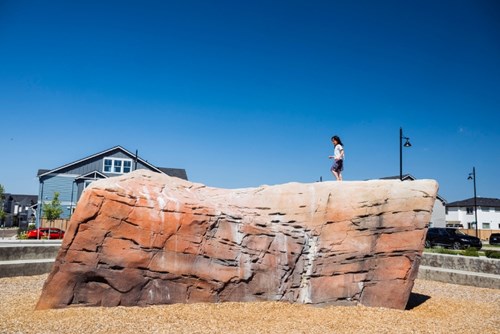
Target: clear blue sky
(244, 93)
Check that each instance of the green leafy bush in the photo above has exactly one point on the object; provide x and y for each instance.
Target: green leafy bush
(441, 250)
(492, 254)
(471, 251)
(22, 236)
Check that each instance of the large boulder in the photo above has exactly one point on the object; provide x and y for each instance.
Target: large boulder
(146, 238)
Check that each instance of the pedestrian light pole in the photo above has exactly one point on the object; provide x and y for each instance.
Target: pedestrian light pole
(472, 176)
(406, 144)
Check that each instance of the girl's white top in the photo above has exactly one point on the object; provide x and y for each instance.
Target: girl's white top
(338, 152)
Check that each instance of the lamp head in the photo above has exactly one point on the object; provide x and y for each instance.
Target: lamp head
(470, 177)
(407, 143)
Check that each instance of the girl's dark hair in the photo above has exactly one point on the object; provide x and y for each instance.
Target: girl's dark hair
(336, 138)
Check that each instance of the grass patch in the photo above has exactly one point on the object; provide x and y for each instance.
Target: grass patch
(441, 250)
(492, 254)
(465, 252)
(471, 251)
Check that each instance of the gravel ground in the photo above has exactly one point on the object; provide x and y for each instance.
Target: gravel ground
(434, 308)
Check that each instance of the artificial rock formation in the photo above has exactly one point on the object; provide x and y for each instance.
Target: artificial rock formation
(146, 238)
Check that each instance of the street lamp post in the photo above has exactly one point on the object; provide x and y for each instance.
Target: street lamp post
(472, 176)
(406, 144)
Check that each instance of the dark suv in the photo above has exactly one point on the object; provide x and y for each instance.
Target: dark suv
(495, 239)
(450, 238)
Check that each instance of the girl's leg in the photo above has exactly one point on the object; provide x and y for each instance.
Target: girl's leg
(340, 176)
(336, 174)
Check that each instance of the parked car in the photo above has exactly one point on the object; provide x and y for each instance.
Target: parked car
(495, 239)
(45, 233)
(450, 238)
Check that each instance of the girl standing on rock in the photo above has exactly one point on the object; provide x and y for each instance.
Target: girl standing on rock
(338, 156)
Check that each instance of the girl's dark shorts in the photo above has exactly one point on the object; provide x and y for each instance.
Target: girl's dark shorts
(338, 166)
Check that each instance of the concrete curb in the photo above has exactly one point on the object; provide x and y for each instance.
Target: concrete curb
(25, 267)
(461, 277)
(28, 252)
(465, 263)
(463, 270)
(27, 259)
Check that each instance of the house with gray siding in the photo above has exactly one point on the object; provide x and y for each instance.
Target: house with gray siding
(438, 218)
(71, 179)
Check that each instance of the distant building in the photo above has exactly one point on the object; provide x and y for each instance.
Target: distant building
(462, 213)
(71, 179)
(20, 210)
(438, 218)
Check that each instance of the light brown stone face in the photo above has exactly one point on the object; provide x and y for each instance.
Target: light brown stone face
(146, 238)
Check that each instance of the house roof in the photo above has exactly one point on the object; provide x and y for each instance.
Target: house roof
(28, 199)
(481, 201)
(42, 171)
(181, 173)
(91, 175)
(396, 177)
(175, 172)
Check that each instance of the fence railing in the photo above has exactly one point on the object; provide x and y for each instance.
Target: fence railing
(58, 223)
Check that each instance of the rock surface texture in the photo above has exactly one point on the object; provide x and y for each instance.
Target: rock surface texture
(146, 238)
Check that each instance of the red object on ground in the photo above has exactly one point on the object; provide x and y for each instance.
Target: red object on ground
(45, 233)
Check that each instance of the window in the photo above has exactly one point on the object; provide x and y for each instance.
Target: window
(443, 232)
(470, 211)
(127, 166)
(486, 226)
(117, 165)
(107, 165)
(432, 232)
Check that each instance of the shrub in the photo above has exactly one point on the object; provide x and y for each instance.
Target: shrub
(471, 251)
(22, 236)
(441, 250)
(31, 226)
(492, 254)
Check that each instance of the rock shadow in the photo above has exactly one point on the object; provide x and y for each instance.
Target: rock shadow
(416, 299)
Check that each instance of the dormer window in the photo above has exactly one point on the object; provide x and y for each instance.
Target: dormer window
(117, 165)
(127, 166)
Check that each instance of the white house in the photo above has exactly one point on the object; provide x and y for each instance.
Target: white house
(438, 218)
(462, 213)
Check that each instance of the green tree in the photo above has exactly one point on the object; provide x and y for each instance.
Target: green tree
(2, 212)
(53, 210)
